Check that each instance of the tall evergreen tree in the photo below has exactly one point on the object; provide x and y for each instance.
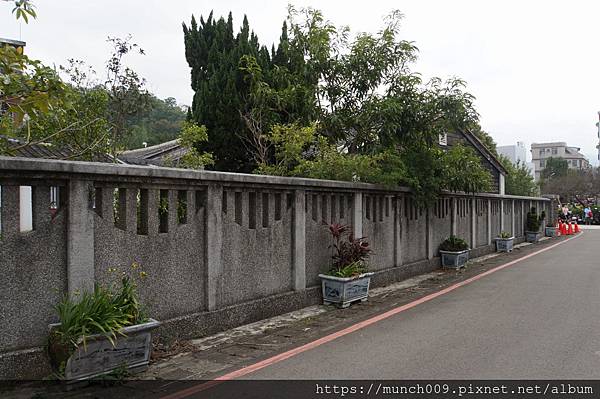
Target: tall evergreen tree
(223, 67)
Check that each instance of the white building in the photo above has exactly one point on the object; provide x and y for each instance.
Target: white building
(517, 155)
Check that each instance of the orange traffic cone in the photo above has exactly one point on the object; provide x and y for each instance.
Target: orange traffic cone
(570, 230)
(577, 227)
(563, 229)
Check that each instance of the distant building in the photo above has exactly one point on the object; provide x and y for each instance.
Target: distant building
(517, 155)
(540, 153)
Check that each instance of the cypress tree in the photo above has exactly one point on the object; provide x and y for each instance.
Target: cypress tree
(221, 93)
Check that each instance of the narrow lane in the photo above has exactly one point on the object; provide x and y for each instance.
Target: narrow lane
(537, 319)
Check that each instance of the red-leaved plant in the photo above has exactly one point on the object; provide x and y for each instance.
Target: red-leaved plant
(349, 254)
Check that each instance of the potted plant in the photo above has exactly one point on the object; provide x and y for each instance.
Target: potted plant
(454, 252)
(348, 279)
(533, 226)
(550, 229)
(504, 242)
(101, 331)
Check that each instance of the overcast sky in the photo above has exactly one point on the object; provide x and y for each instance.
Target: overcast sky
(532, 65)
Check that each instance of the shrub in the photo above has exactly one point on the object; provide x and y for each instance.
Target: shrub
(454, 244)
(505, 234)
(349, 253)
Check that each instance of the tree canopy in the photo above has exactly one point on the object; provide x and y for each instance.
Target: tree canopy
(162, 121)
(74, 109)
(327, 103)
(555, 167)
(573, 185)
(519, 180)
(233, 78)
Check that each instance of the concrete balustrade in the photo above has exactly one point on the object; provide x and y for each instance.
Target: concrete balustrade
(220, 249)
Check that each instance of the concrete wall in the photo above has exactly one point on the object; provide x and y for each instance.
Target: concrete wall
(482, 221)
(220, 249)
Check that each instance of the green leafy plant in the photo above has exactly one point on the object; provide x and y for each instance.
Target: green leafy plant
(105, 311)
(24, 9)
(163, 206)
(533, 221)
(505, 235)
(519, 179)
(349, 253)
(454, 244)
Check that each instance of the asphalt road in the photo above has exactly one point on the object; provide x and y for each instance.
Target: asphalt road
(537, 319)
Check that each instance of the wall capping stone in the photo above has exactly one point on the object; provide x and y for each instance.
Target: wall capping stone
(28, 168)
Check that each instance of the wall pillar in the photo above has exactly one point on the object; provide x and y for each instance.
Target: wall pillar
(489, 222)
(453, 216)
(299, 241)
(512, 218)
(357, 215)
(397, 230)
(10, 211)
(523, 217)
(429, 225)
(131, 210)
(80, 238)
(214, 244)
(501, 215)
(473, 223)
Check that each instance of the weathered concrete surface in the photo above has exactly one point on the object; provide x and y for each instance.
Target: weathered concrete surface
(378, 227)
(173, 261)
(414, 232)
(33, 273)
(256, 260)
(80, 238)
(442, 222)
(481, 213)
(318, 239)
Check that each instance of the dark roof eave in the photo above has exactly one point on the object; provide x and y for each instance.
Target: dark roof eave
(474, 140)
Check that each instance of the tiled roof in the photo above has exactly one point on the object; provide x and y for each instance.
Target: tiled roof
(18, 148)
(574, 153)
(155, 155)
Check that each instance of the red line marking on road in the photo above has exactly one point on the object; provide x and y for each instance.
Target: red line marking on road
(355, 327)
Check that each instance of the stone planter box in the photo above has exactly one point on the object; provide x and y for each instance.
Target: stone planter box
(100, 357)
(550, 231)
(454, 260)
(533, 236)
(504, 244)
(342, 291)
